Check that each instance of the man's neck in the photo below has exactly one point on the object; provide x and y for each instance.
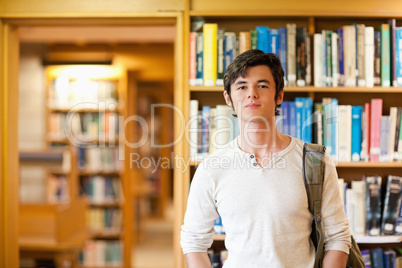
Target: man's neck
(261, 139)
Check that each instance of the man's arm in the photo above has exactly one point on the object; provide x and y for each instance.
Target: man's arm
(335, 259)
(198, 260)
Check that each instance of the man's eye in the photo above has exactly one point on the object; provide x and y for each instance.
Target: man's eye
(263, 86)
(241, 88)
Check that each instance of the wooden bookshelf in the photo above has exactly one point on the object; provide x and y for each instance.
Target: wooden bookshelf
(108, 89)
(236, 16)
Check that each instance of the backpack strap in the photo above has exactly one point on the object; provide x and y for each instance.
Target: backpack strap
(313, 176)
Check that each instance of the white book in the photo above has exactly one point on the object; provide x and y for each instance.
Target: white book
(98, 184)
(369, 56)
(193, 128)
(345, 136)
(212, 129)
(224, 126)
(318, 60)
(335, 63)
(291, 53)
(349, 49)
(100, 249)
(391, 134)
(359, 207)
(361, 79)
(350, 209)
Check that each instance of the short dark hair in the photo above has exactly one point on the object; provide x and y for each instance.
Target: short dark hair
(252, 58)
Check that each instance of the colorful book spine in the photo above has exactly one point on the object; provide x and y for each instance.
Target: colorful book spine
(341, 58)
(392, 40)
(230, 40)
(375, 129)
(392, 203)
(273, 41)
(385, 56)
(283, 51)
(244, 41)
(210, 31)
(254, 39)
(398, 54)
(286, 117)
(373, 205)
(205, 128)
(377, 58)
(193, 58)
(200, 59)
(356, 132)
(221, 57)
(262, 38)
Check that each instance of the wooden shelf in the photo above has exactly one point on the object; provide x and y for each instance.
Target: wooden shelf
(219, 237)
(107, 234)
(378, 90)
(99, 172)
(258, 14)
(105, 204)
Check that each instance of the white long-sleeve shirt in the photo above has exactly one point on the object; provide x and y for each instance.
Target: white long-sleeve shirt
(264, 210)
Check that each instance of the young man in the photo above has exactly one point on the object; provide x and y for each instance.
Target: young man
(255, 184)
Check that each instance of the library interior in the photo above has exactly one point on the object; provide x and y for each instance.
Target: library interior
(108, 108)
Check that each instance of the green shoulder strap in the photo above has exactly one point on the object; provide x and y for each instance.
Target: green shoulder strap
(313, 176)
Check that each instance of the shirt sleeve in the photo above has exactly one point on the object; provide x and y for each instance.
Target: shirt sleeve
(198, 227)
(335, 224)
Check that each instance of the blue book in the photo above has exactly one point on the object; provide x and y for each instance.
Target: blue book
(205, 129)
(389, 258)
(377, 258)
(341, 60)
(299, 102)
(292, 121)
(273, 41)
(283, 49)
(200, 59)
(218, 226)
(307, 133)
(286, 117)
(262, 38)
(398, 56)
(356, 132)
(230, 41)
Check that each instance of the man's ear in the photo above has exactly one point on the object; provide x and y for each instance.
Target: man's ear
(279, 100)
(227, 98)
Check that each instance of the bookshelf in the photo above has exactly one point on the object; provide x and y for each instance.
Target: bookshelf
(84, 105)
(236, 16)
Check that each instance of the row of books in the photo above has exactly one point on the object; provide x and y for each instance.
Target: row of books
(99, 159)
(359, 55)
(371, 209)
(382, 258)
(210, 129)
(101, 253)
(84, 127)
(105, 220)
(102, 189)
(353, 55)
(213, 49)
(66, 92)
(57, 189)
(217, 259)
(366, 134)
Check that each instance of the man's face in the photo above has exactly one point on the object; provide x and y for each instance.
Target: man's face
(254, 95)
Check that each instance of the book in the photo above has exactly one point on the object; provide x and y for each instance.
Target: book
(361, 77)
(273, 41)
(221, 56)
(373, 205)
(205, 128)
(392, 202)
(318, 60)
(377, 258)
(200, 59)
(254, 39)
(193, 58)
(398, 55)
(285, 115)
(334, 61)
(301, 58)
(375, 129)
(385, 56)
(359, 207)
(345, 136)
(193, 128)
(244, 41)
(356, 133)
(398, 131)
(210, 31)
(230, 44)
(349, 48)
(291, 56)
(262, 38)
(369, 56)
(385, 122)
(392, 41)
(318, 121)
(283, 51)
(366, 258)
(341, 58)
(377, 58)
